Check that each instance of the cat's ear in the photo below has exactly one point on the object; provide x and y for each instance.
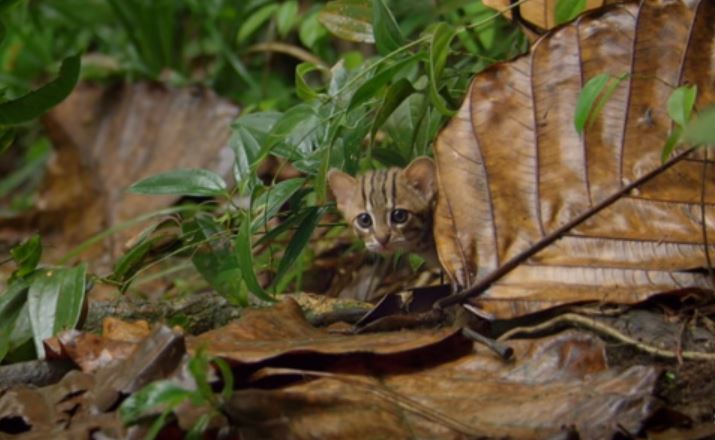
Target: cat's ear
(422, 174)
(343, 187)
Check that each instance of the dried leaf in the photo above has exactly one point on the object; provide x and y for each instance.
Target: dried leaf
(523, 171)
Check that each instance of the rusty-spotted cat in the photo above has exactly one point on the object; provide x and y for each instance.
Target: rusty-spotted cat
(390, 209)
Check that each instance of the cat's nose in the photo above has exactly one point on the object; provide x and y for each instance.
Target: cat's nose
(383, 239)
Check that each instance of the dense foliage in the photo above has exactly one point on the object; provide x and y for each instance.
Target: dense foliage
(352, 84)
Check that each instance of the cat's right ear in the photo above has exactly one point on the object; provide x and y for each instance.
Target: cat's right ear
(343, 187)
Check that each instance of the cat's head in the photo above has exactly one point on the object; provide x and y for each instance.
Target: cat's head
(389, 209)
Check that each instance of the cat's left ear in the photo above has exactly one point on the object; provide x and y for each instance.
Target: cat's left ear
(422, 174)
(342, 186)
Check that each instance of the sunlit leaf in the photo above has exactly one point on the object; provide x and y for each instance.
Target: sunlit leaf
(587, 99)
(186, 182)
(388, 36)
(680, 104)
(349, 19)
(27, 255)
(55, 301)
(38, 101)
(567, 10)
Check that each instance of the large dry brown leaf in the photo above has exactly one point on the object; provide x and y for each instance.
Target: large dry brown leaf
(555, 384)
(105, 139)
(524, 170)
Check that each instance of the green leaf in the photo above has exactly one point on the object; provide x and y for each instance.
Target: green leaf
(299, 241)
(680, 104)
(39, 101)
(227, 376)
(298, 130)
(594, 96)
(587, 98)
(701, 131)
(567, 10)
(350, 20)
(244, 253)
(302, 89)
(6, 136)
(268, 203)
(55, 301)
(186, 182)
(388, 36)
(395, 95)
(671, 143)
(286, 17)
(374, 85)
(12, 303)
(214, 258)
(311, 31)
(199, 369)
(255, 21)
(6, 4)
(247, 151)
(163, 393)
(438, 53)
(27, 255)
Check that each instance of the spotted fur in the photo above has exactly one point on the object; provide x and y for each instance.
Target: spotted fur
(398, 202)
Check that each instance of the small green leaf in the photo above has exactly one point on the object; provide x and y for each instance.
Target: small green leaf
(186, 182)
(163, 393)
(199, 368)
(701, 130)
(214, 258)
(587, 99)
(268, 203)
(680, 104)
(227, 376)
(302, 89)
(350, 20)
(244, 253)
(286, 17)
(299, 241)
(12, 303)
(671, 143)
(55, 301)
(311, 31)
(388, 36)
(247, 152)
(567, 10)
(39, 101)
(27, 255)
(374, 85)
(255, 21)
(438, 53)
(395, 95)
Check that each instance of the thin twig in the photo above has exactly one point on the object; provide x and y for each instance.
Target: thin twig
(607, 330)
(547, 240)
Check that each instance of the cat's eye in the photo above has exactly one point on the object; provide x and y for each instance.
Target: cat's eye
(364, 220)
(399, 216)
